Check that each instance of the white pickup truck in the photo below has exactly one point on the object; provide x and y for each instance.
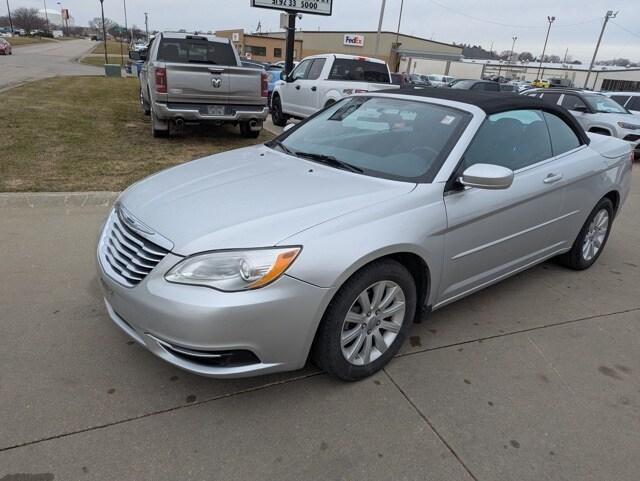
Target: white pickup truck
(321, 80)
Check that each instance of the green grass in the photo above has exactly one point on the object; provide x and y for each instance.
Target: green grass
(17, 41)
(88, 133)
(99, 59)
(113, 48)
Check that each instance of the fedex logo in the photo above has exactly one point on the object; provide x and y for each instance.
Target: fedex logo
(354, 40)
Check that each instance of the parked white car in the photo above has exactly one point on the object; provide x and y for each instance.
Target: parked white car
(596, 113)
(440, 80)
(629, 100)
(322, 80)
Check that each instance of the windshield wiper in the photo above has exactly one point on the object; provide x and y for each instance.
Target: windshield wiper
(282, 147)
(330, 160)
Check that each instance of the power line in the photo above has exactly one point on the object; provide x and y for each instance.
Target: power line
(492, 22)
(625, 29)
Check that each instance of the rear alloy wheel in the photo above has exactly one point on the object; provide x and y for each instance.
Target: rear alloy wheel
(366, 322)
(277, 116)
(592, 238)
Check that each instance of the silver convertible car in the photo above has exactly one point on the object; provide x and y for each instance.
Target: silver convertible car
(331, 240)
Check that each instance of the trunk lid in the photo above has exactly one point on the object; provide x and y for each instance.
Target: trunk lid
(609, 147)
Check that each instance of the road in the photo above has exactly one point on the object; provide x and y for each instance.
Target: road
(534, 379)
(42, 60)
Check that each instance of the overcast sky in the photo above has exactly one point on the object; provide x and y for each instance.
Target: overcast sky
(471, 21)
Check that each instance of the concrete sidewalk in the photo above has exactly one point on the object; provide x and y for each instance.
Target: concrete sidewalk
(533, 379)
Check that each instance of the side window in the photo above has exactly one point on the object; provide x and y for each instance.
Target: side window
(621, 99)
(634, 104)
(316, 69)
(300, 71)
(573, 102)
(563, 138)
(514, 139)
(551, 98)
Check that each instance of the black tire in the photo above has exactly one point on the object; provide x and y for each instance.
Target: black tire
(247, 133)
(146, 108)
(575, 258)
(277, 116)
(327, 349)
(158, 133)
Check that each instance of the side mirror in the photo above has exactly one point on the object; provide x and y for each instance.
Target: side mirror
(283, 76)
(487, 176)
(288, 127)
(580, 108)
(133, 55)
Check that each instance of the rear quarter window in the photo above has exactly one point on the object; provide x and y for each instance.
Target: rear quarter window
(359, 71)
(563, 138)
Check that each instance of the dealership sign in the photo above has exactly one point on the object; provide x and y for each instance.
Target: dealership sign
(354, 40)
(313, 7)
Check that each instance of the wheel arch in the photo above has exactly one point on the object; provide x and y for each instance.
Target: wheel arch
(600, 130)
(614, 197)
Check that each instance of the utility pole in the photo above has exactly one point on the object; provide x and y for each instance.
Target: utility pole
(46, 14)
(566, 54)
(384, 4)
(544, 49)
(399, 21)
(104, 33)
(513, 46)
(610, 14)
(397, 60)
(126, 25)
(10, 21)
(291, 42)
(146, 24)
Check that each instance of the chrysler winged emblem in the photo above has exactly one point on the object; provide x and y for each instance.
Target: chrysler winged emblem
(216, 82)
(132, 222)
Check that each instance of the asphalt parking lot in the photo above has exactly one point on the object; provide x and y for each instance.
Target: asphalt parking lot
(536, 378)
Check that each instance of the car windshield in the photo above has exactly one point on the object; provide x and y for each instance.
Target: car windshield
(605, 105)
(463, 84)
(379, 136)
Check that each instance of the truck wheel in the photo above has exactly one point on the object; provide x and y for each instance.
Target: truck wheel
(155, 123)
(146, 109)
(279, 118)
(247, 133)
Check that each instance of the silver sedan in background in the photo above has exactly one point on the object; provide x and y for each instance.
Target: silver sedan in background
(331, 240)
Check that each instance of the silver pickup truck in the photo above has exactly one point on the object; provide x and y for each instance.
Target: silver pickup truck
(191, 79)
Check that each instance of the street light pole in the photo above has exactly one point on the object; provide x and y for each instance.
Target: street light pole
(513, 46)
(146, 24)
(544, 49)
(399, 21)
(384, 4)
(610, 14)
(104, 33)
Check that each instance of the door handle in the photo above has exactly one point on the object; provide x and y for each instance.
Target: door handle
(552, 178)
(297, 87)
(313, 89)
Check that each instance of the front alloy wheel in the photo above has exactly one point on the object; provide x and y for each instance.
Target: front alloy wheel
(373, 323)
(367, 321)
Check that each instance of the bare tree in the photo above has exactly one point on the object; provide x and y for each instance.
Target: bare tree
(28, 19)
(525, 57)
(96, 24)
(4, 21)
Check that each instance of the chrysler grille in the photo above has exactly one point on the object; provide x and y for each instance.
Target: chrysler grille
(130, 256)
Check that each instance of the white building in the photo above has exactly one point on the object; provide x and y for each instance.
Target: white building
(55, 17)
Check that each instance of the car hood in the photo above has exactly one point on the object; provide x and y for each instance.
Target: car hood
(252, 197)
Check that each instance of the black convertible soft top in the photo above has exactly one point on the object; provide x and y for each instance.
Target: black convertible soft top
(494, 102)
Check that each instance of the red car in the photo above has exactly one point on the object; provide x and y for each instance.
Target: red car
(5, 47)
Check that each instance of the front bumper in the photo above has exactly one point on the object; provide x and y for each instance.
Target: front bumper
(199, 112)
(274, 326)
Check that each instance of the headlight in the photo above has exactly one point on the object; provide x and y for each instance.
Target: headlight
(627, 126)
(234, 271)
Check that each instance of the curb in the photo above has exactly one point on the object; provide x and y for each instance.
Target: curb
(58, 199)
